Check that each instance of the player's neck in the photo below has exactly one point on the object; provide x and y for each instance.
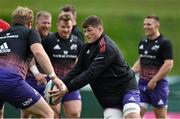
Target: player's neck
(153, 37)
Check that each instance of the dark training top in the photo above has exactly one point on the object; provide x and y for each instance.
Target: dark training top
(76, 31)
(30, 75)
(152, 55)
(62, 52)
(15, 49)
(101, 65)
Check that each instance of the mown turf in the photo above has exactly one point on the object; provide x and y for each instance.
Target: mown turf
(122, 19)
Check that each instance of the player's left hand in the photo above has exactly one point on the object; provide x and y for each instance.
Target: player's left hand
(59, 93)
(152, 84)
(41, 79)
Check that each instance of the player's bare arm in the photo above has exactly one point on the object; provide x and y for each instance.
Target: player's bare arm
(164, 70)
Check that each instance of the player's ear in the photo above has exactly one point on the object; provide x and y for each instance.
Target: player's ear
(158, 24)
(100, 27)
(29, 25)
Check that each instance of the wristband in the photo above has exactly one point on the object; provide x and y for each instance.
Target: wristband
(52, 75)
(34, 70)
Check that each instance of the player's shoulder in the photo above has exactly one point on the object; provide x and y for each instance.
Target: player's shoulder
(164, 40)
(106, 44)
(75, 39)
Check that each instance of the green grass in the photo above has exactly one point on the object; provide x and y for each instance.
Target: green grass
(122, 19)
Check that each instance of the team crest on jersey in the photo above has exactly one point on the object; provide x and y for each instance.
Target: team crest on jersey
(155, 47)
(73, 47)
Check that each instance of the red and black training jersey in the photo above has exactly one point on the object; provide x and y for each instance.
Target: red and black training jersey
(62, 52)
(102, 65)
(152, 55)
(15, 48)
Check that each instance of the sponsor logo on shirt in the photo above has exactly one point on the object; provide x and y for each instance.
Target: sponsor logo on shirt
(4, 48)
(57, 47)
(8, 36)
(99, 58)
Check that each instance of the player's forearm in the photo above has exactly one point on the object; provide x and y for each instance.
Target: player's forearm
(136, 66)
(79, 82)
(164, 70)
(42, 58)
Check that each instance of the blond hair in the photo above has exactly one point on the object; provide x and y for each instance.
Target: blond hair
(22, 15)
(42, 13)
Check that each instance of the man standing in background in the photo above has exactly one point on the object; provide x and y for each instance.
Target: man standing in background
(70, 10)
(154, 63)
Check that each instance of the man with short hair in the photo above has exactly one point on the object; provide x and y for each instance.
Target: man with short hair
(101, 65)
(43, 23)
(154, 63)
(38, 79)
(70, 10)
(63, 48)
(17, 44)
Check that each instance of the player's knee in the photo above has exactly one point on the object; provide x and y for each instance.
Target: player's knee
(73, 114)
(25, 114)
(131, 110)
(112, 113)
(49, 114)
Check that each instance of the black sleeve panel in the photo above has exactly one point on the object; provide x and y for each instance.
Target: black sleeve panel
(78, 68)
(34, 37)
(166, 50)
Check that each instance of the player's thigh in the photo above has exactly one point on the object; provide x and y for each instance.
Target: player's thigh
(72, 107)
(41, 109)
(25, 114)
(71, 100)
(159, 98)
(143, 110)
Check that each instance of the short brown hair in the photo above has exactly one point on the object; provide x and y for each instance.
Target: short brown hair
(69, 8)
(153, 17)
(22, 15)
(92, 21)
(65, 17)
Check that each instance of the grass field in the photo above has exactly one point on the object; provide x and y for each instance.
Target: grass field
(122, 19)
